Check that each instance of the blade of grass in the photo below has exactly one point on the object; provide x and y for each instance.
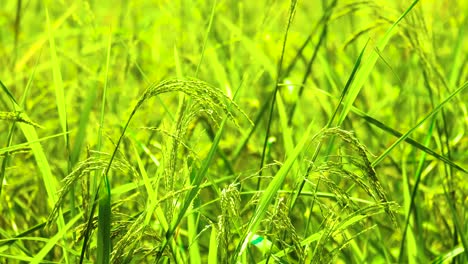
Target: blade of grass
(285, 128)
(104, 243)
(16, 257)
(410, 201)
(194, 249)
(104, 246)
(445, 258)
(213, 246)
(207, 34)
(275, 90)
(146, 180)
(458, 57)
(9, 94)
(59, 96)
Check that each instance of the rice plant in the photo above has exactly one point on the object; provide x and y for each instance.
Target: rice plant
(233, 132)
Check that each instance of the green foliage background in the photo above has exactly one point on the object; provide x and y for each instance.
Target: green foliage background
(206, 131)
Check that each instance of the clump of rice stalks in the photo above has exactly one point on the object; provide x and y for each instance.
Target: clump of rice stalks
(352, 163)
(281, 231)
(205, 100)
(342, 198)
(338, 175)
(174, 170)
(134, 231)
(229, 220)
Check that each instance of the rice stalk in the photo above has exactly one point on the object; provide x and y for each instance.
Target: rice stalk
(18, 116)
(229, 220)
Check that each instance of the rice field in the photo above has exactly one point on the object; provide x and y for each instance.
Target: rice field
(233, 131)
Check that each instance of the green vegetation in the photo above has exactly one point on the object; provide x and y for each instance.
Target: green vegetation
(233, 132)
